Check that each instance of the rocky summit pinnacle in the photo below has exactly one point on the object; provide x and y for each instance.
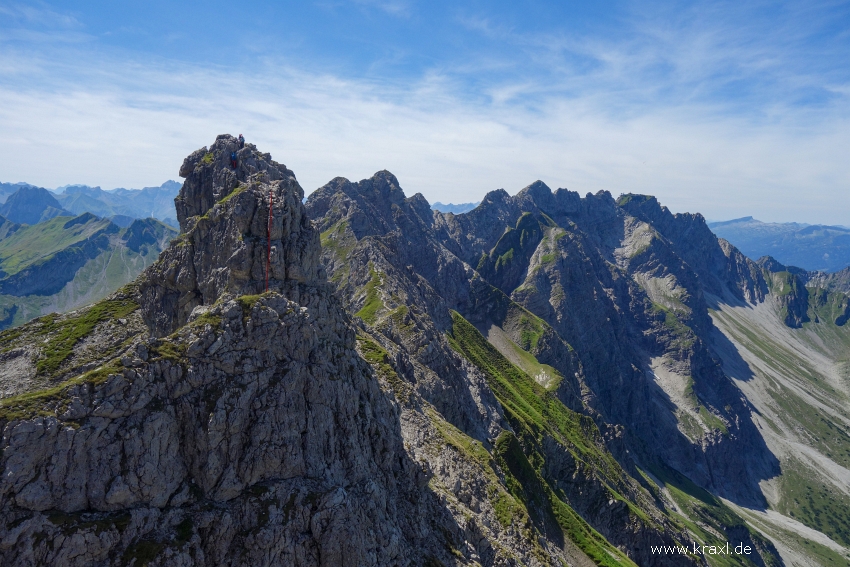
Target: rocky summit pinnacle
(223, 247)
(252, 434)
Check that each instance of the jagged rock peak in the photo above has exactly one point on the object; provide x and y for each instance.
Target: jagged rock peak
(210, 177)
(496, 196)
(224, 220)
(382, 188)
(537, 190)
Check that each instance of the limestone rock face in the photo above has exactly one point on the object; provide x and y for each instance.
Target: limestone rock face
(224, 219)
(252, 434)
(605, 303)
(269, 417)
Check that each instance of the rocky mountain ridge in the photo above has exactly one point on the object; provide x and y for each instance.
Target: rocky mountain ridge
(625, 287)
(253, 434)
(540, 381)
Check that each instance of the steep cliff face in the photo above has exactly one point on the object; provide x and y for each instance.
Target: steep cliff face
(584, 300)
(223, 214)
(189, 420)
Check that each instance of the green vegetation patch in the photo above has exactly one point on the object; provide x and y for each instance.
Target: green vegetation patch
(208, 158)
(519, 242)
(373, 303)
(530, 331)
(526, 484)
(782, 283)
(526, 324)
(504, 260)
(247, 302)
(379, 359)
(712, 421)
(530, 404)
(507, 509)
(814, 503)
(399, 320)
(50, 401)
(690, 425)
(169, 349)
(828, 307)
(340, 242)
(531, 366)
(534, 413)
(209, 319)
(63, 334)
(236, 191)
(548, 258)
(683, 336)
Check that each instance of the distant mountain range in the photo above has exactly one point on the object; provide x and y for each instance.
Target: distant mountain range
(66, 248)
(67, 261)
(120, 205)
(31, 205)
(454, 209)
(812, 247)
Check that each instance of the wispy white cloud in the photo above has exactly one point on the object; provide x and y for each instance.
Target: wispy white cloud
(113, 125)
(37, 13)
(639, 113)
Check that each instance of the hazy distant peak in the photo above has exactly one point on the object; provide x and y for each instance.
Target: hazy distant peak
(733, 221)
(812, 247)
(454, 208)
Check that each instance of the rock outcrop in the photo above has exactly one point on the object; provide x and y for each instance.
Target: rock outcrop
(252, 434)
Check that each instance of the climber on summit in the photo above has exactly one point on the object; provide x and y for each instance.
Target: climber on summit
(241, 141)
(233, 161)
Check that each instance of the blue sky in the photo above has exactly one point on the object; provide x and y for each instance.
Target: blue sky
(726, 108)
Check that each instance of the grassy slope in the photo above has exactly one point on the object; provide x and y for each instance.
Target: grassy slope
(56, 337)
(534, 413)
(707, 518)
(99, 277)
(33, 243)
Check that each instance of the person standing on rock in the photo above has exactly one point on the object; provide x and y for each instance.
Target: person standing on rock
(241, 141)
(233, 161)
